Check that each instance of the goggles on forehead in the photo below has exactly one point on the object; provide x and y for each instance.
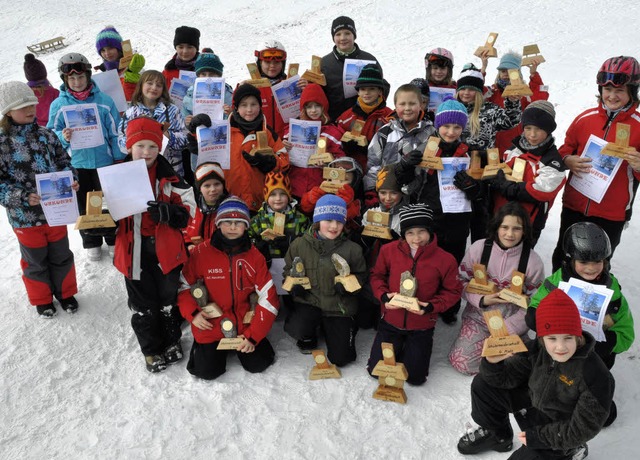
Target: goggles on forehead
(272, 54)
(615, 79)
(343, 164)
(76, 67)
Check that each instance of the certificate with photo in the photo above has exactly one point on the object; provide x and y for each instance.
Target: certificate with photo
(592, 301)
(178, 91)
(287, 96)
(437, 95)
(213, 144)
(84, 120)
(208, 97)
(350, 73)
(595, 184)
(303, 135)
(452, 199)
(57, 198)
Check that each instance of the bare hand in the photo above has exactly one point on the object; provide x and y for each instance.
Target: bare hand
(387, 305)
(287, 144)
(33, 199)
(533, 67)
(227, 109)
(493, 299)
(484, 57)
(187, 120)
(633, 158)
(75, 186)
(578, 165)
(246, 346)
(522, 437)
(498, 358)
(200, 321)
(66, 134)
(302, 83)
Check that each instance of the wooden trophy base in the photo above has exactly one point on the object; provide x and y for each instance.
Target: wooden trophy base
(494, 346)
(212, 310)
(359, 139)
(377, 231)
(315, 77)
(229, 344)
(248, 317)
(484, 289)
(94, 221)
(520, 300)
(528, 60)
(259, 82)
(270, 234)
(432, 163)
(476, 173)
(397, 371)
(291, 281)
(330, 186)
(481, 49)
(324, 158)
(350, 282)
(262, 151)
(406, 302)
(392, 394)
(615, 150)
(520, 89)
(330, 372)
(492, 170)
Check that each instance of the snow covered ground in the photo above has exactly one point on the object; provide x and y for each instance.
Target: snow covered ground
(76, 388)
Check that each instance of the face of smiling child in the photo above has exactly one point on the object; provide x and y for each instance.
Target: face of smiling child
(369, 94)
(278, 200)
(438, 73)
(588, 270)
(615, 98)
(109, 53)
(467, 95)
(23, 116)
(146, 150)
(330, 229)
(344, 40)
(271, 68)
(510, 232)
(389, 198)
(417, 237)
(450, 132)
(314, 110)
(186, 52)
(152, 90)
(249, 108)
(408, 107)
(561, 347)
(77, 82)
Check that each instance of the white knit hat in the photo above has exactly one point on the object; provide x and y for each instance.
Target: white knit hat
(15, 95)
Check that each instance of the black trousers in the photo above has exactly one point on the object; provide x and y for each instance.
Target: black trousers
(156, 318)
(412, 348)
(206, 362)
(303, 322)
(89, 182)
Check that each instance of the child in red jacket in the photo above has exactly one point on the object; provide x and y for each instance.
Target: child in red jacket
(436, 273)
(36, 75)
(229, 260)
(186, 42)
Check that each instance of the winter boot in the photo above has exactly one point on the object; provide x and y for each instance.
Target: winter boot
(155, 363)
(47, 311)
(69, 304)
(579, 453)
(173, 353)
(94, 254)
(307, 345)
(613, 415)
(482, 440)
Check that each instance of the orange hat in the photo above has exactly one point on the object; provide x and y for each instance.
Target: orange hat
(558, 314)
(275, 180)
(144, 128)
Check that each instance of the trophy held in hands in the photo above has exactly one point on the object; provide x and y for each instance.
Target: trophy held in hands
(500, 342)
(349, 281)
(201, 295)
(231, 340)
(406, 299)
(296, 276)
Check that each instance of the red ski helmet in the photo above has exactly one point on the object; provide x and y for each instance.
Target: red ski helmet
(619, 71)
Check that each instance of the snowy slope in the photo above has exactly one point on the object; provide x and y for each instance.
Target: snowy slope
(75, 387)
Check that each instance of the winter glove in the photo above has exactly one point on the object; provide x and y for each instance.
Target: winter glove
(411, 159)
(371, 199)
(281, 243)
(471, 187)
(263, 247)
(132, 74)
(340, 289)
(346, 193)
(298, 291)
(352, 148)
(173, 215)
(202, 119)
(265, 163)
(192, 143)
(512, 191)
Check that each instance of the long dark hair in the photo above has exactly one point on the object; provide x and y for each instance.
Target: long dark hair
(512, 208)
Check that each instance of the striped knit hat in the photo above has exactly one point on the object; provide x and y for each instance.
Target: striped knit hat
(416, 215)
(110, 37)
(206, 171)
(233, 209)
(330, 207)
(540, 114)
(451, 111)
(370, 76)
(471, 77)
(558, 314)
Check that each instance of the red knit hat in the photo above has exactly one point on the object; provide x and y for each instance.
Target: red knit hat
(144, 128)
(314, 93)
(558, 314)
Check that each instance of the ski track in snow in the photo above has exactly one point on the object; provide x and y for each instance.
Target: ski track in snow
(75, 387)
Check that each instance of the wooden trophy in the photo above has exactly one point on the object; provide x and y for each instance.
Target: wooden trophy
(620, 147)
(349, 281)
(323, 369)
(500, 342)
(257, 80)
(293, 69)
(321, 156)
(529, 53)
(262, 144)
(514, 293)
(517, 173)
(94, 218)
(488, 46)
(296, 276)
(127, 55)
(201, 295)
(475, 165)
(494, 164)
(315, 75)
(430, 160)
(516, 86)
(480, 283)
(279, 220)
(391, 377)
(406, 299)
(335, 178)
(355, 134)
(231, 341)
(253, 301)
(377, 225)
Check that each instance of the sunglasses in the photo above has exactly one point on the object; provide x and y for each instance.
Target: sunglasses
(76, 67)
(615, 79)
(272, 54)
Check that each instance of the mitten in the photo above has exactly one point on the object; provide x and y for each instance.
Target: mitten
(346, 193)
(471, 187)
(298, 291)
(309, 199)
(340, 289)
(132, 74)
(173, 215)
(371, 199)
(266, 163)
(202, 119)
(281, 243)
(192, 143)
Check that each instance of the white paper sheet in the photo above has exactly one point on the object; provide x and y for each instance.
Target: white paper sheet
(592, 301)
(213, 144)
(58, 199)
(84, 120)
(109, 83)
(178, 91)
(187, 75)
(452, 199)
(350, 73)
(303, 134)
(287, 96)
(208, 97)
(126, 188)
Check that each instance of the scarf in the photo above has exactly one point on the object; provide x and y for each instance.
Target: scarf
(525, 146)
(247, 126)
(185, 65)
(369, 108)
(110, 65)
(348, 53)
(81, 95)
(224, 244)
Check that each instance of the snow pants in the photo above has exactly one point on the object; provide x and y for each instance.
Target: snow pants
(208, 363)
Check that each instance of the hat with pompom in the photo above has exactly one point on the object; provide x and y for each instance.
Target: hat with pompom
(510, 60)
(34, 69)
(110, 37)
(558, 314)
(451, 112)
(471, 78)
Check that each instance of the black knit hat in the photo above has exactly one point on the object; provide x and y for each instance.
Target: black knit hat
(243, 91)
(471, 77)
(188, 35)
(342, 23)
(416, 215)
(540, 114)
(370, 76)
(34, 69)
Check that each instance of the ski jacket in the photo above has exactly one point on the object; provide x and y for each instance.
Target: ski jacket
(203, 224)
(372, 123)
(295, 225)
(45, 98)
(436, 274)
(493, 118)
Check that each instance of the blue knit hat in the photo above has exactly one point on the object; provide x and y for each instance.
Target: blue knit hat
(208, 62)
(330, 207)
(233, 209)
(451, 112)
(110, 37)
(510, 60)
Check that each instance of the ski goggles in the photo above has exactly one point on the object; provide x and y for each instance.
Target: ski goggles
(436, 60)
(76, 67)
(615, 79)
(272, 54)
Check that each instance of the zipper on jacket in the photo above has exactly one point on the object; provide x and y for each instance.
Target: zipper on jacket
(413, 272)
(233, 298)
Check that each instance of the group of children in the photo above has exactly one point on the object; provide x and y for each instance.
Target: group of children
(209, 232)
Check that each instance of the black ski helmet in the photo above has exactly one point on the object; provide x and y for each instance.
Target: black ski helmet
(586, 241)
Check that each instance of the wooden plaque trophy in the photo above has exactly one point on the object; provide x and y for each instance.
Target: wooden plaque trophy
(253, 301)
(406, 299)
(349, 281)
(201, 295)
(262, 144)
(493, 164)
(517, 173)
(500, 342)
(475, 165)
(514, 293)
(321, 156)
(516, 86)
(335, 178)
(391, 377)
(377, 225)
(620, 147)
(488, 46)
(296, 276)
(480, 283)
(529, 53)
(279, 220)
(430, 160)
(231, 340)
(293, 69)
(94, 218)
(355, 134)
(257, 80)
(323, 369)
(127, 55)
(315, 75)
